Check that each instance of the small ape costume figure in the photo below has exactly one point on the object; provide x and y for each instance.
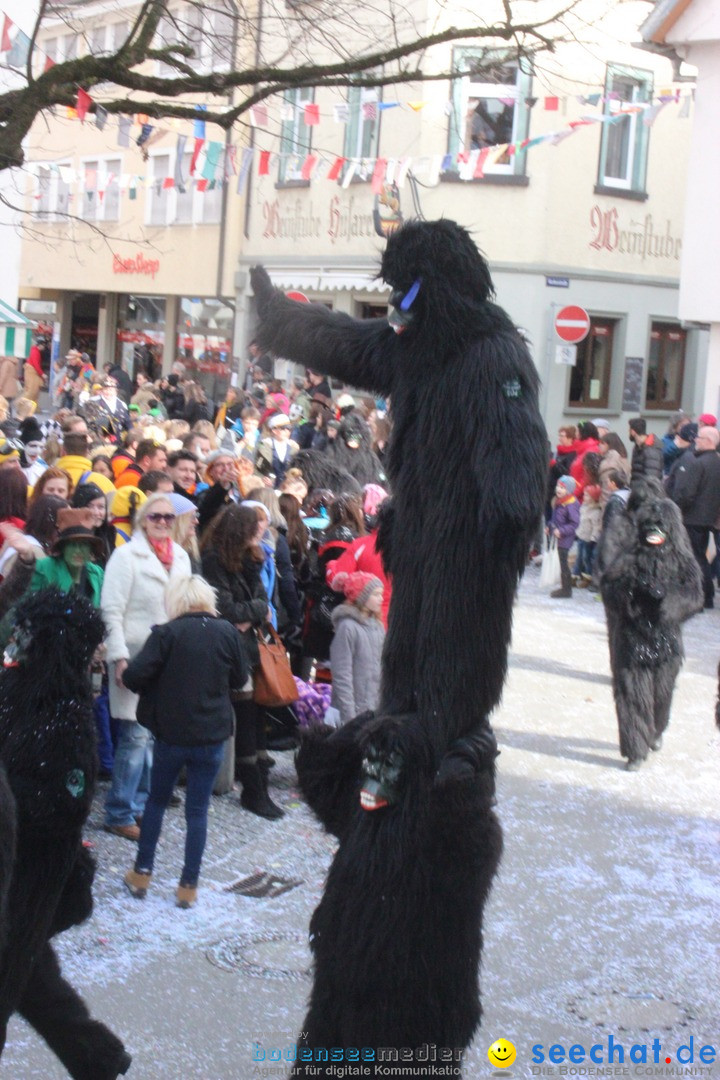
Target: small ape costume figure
(319, 470)
(466, 462)
(650, 583)
(398, 933)
(47, 746)
(351, 449)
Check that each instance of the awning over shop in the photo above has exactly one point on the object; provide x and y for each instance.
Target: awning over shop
(326, 279)
(9, 316)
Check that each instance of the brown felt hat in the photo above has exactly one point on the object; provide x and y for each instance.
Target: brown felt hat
(76, 524)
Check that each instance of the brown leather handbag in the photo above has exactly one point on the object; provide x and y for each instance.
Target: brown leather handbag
(274, 684)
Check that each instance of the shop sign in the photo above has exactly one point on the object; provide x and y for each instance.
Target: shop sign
(628, 236)
(138, 265)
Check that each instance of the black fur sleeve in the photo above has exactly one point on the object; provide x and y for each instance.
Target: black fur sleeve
(508, 436)
(355, 350)
(328, 767)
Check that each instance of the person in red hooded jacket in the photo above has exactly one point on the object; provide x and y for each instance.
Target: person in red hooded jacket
(588, 442)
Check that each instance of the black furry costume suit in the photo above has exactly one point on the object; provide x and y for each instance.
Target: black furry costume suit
(467, 463)
(361, 462)
(650, 583)
(47, 746)
(397, 935)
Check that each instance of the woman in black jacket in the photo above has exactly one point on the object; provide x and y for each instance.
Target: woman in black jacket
(184, 674)
(231, 562)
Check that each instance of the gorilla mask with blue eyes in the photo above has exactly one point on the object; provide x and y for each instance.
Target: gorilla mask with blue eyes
(417, 257)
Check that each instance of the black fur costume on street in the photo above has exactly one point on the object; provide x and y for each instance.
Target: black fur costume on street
(47, 746)
(397, 935)
(361, 462)
(467, 461)
(650, 583)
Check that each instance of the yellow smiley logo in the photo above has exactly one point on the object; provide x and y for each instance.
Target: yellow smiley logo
(501, 1054)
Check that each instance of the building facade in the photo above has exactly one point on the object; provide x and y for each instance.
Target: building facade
(570, 174)
(569, 170)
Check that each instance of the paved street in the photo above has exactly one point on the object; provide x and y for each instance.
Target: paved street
(603, 920)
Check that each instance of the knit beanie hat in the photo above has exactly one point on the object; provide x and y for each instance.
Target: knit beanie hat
(30, 431)
(707, 420)
(568, 483)
(86, 493)
(359, 587)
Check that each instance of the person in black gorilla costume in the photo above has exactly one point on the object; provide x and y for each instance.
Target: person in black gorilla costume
(351, 449)
(397, 935)
(650, 583)
(466, 462)
(47, 746)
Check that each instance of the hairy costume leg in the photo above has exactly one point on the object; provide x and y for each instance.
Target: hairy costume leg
(634, 689)
(87, 1049)
(665, 678)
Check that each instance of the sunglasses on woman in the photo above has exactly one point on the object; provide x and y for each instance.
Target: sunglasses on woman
(167, 518)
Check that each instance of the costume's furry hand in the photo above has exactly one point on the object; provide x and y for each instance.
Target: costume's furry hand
(469, 755)
(262, 285)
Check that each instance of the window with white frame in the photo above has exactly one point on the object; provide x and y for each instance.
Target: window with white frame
(159, 195)
(362, 130)
(295, 134)
(108, 38)
(210, 210)
(209, 31)
(68, 47)
(185, 200)
(193, 206)
(490, 107)
(624, 142)
(53, 190)
(100, 182)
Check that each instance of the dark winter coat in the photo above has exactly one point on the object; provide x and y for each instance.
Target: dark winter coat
(696, 487)
(566, 518)
(241, 597)
(183, 674)
(287, 592)
(647, 461)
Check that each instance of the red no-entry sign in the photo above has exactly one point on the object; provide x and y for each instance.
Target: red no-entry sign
(572, 324)
(300, 297)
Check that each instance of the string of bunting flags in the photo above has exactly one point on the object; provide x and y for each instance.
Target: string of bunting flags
(213, 163)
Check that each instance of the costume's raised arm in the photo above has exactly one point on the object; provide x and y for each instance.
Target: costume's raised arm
(332, 343)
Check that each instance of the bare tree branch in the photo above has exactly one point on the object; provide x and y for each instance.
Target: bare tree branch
(398, 55)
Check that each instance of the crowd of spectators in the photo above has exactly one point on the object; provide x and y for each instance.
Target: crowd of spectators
(144, 496)
(590, 476)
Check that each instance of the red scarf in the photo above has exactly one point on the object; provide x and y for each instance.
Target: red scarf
(164, 550)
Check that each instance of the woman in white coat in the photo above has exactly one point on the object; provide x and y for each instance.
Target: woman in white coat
(132, 602)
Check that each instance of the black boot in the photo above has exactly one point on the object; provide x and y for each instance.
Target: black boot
(255, 796)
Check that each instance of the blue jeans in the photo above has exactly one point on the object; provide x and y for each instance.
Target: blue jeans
(585, 561)
(202, 764)
(131, 774)
(101, 712)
